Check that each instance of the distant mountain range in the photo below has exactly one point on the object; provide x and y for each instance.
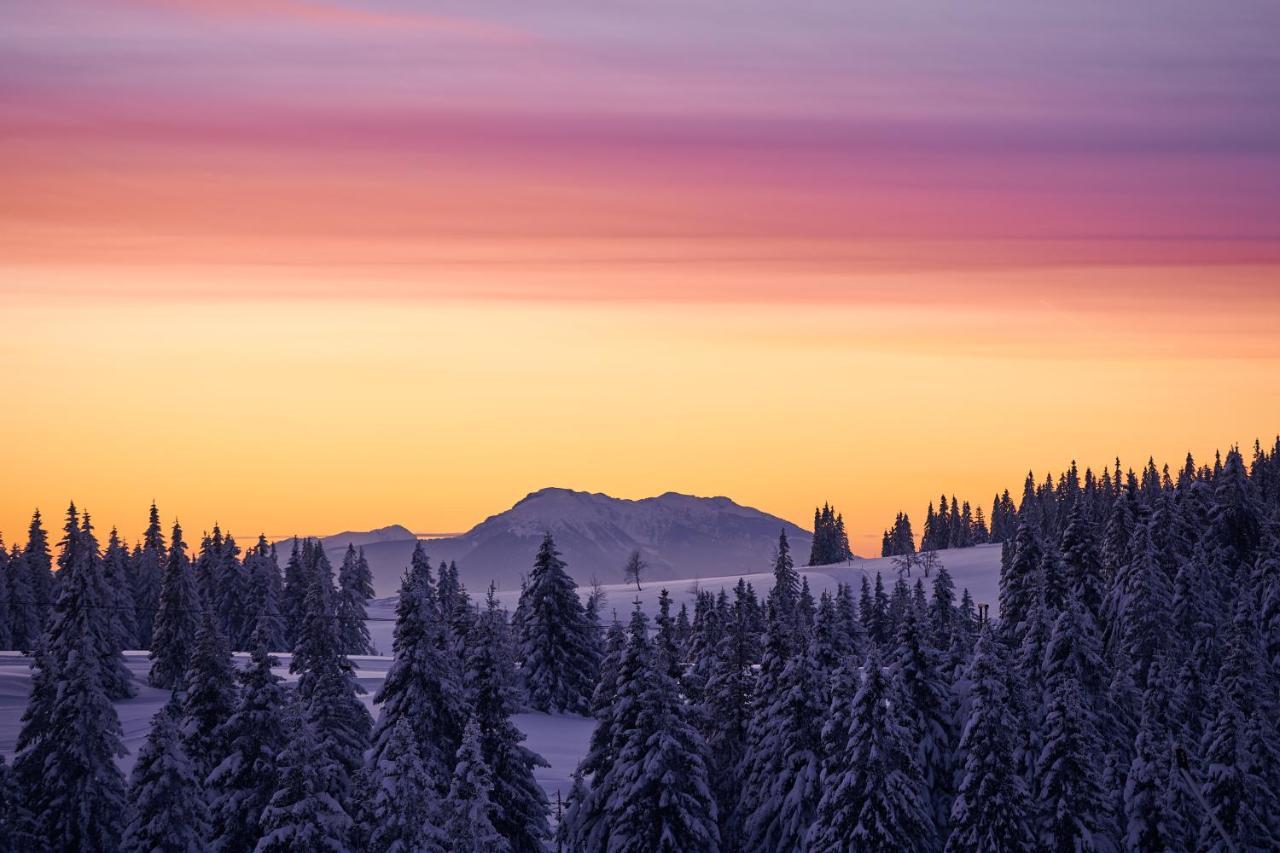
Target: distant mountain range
(679, 536)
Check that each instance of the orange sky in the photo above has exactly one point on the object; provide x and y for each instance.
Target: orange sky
(302, 266)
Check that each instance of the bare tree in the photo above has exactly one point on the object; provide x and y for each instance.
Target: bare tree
(633, 568)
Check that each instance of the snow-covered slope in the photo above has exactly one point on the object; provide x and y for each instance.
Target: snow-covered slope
(680, 536)
(976, 569)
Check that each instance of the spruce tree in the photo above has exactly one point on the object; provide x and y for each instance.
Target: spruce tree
(24, 616)
(167, 810)
(147, 568)
(177, 620)
(782, 762)
(558, 654)
(355, 588)
(6, 616)
(71, 735)
(400, 813)
(519, 803)
(470, 811)
(927, 712)
(241, 785)
(992, 809)
(876, 799)
(422, 684)
(38, 562)
(264, 597)
(116, 579)
(293, 595)
(210, 697)
(303, 813)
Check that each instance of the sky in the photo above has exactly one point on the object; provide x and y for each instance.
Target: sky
(298, 266)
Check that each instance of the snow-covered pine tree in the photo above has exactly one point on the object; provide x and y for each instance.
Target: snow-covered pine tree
(1153, 818)
(147, 569)
(293, 595)
(167, 810)
(1018, 584)
(874, 799)
(303, 814)
(71, 735)
(927, 712)
(38, 561)
(79, 558)
(209, 699)
(264, 596)
(992, 809)
(233, 601)
(783, 758)
(654, 796)
(1081, 561)
(1139, 604)
(519, 803)
(24, 616)
(1075, 808)
(177, 620)
(241, 785)
(355, 588)
(559, 657)
(327, 687)
(470, 811)
(6, 616)
(402, 812)
(115, 578)
(423, 684)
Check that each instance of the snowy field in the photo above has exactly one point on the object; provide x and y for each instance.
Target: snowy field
(976, 569)
(561, 739)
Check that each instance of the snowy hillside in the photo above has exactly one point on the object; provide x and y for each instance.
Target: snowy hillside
(975, 569)
(679, 536)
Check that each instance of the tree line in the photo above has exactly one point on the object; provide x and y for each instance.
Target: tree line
(1125, 697)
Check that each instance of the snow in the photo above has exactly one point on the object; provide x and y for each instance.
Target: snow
(559, 738)
(976, 569)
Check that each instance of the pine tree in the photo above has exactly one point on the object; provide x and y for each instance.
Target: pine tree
(422, 684)
(355, 588)
(469, 808)
(653, 794)
(293, 596)
(558, 654)
(876, 799)
(992, 808)
(167, 812)
(1152, 819)
(176, 622)
(928, 714)
(38, 561)
(399, 814)
(6, 616)
(71, 735)
(210, 697)
(303, 814)
(264, 596)
(519, 803)
(233, 600)
(24, 616)
(783, 757)
(241, 785)
(147, 569)
(116, 580)
(1075, 808)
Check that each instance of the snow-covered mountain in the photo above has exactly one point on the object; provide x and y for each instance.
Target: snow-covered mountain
(679, 536)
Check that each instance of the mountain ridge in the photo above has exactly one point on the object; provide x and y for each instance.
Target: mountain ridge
(679, 535)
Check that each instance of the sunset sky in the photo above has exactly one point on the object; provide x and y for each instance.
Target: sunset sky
(303, 266)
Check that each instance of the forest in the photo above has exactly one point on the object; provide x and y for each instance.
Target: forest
(1126, 696)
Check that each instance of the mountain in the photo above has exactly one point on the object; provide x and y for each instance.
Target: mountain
(679, 536)
(363, 539)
